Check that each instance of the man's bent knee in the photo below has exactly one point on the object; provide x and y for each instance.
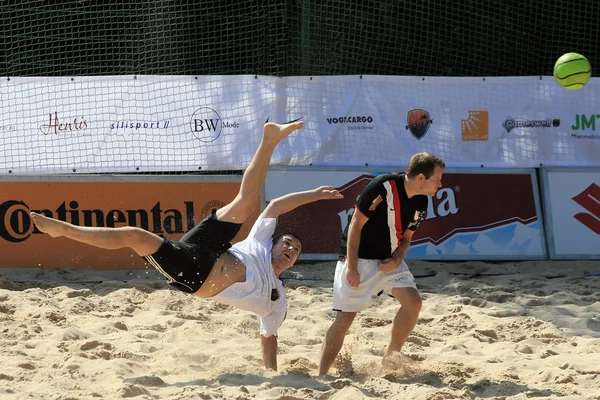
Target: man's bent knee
(238, 211)
(343, 320)
(413, 302)
(418, 304)
(408, 297)
(144, 243)
(411, 308)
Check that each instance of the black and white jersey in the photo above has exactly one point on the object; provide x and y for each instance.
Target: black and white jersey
(390, 212)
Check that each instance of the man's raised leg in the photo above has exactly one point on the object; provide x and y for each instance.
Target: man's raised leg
(254, 177)
(142, 242)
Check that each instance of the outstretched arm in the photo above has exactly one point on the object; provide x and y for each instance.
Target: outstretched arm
(286, 203)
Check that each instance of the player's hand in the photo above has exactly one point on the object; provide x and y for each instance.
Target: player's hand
(388, 264)
(328, 192)
(353, 278)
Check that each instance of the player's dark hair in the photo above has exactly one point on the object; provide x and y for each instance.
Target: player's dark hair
(423, 163)
(277, 237)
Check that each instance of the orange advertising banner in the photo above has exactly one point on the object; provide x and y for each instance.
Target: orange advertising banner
(164, 208)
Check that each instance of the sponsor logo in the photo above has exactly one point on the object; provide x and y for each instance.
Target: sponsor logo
(356, 122)
(8, 128)
(585, 122)
(403, 278)
(418, 122)
(350, 120)
(208, 207)
(590, 200)
(206, 124)
(460, 208)
(123, 127)
(510, 123)
(476, 126)
(16, 224)
(590, 136)
(375, 203)
(64, 126)
(419, 216)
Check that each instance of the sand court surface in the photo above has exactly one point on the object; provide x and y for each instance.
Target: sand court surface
(514, 330)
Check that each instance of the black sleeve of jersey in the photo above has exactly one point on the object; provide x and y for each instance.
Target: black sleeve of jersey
(370, 197)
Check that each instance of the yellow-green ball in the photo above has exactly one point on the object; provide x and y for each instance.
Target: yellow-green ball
(572, 71)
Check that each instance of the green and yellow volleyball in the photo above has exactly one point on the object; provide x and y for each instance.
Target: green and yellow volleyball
(572, 71)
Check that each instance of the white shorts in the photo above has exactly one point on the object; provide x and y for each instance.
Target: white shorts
(372, 282)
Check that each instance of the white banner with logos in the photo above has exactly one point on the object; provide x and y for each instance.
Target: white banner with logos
(572, 200)
(174, 123)
(130, 124)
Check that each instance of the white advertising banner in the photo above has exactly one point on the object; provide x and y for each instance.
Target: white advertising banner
(469, 122)
(131, 124)
(572, 201)
(175, 123)
(463, 222)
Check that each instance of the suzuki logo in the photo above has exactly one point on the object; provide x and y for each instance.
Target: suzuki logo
(590, 200)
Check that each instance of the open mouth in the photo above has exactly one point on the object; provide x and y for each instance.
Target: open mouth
(289, 257)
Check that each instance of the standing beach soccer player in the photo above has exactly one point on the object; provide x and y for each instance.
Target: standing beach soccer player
(204, 262)
(373, 246)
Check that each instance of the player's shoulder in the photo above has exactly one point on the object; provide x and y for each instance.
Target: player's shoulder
(382, 178)
(388, 176)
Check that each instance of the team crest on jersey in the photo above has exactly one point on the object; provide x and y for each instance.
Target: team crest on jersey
(375, 203)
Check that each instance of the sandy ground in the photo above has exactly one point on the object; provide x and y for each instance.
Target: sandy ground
(492, 331)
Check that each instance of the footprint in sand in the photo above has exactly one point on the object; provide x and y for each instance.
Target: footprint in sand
(130, 390)
(593, 324)
(478, 303)
(28, 366)
(55, 317)
(418, 341)
(486, 335)
(369, 322)
(533, 303)
(72, 334)
(79, 293)
(524, 349)
(91, 345)
(151, 381)
(196, 317)
(301, 364)
(548, 353)
(565, 379)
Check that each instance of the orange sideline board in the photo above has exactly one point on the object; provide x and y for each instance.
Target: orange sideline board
(165, 208)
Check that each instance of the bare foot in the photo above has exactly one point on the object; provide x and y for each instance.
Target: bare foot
(276, 132)
(47, 225)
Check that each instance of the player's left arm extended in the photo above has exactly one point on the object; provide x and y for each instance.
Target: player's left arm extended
(269, 351)
(286, 203)
(398, 255)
